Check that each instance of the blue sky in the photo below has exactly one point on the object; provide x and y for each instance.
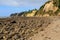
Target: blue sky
(8, 7)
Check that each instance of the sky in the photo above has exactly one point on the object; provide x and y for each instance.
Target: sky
(8, 7)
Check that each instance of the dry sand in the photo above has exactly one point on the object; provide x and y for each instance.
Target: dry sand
(30, 28)
(51, 32)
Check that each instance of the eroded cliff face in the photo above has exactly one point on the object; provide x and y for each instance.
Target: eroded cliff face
(50, 8)
(30, 14)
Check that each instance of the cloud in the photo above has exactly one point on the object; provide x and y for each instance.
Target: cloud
(8, 2)
(22, 2)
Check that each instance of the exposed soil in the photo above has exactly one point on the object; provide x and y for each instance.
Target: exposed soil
(51, 32)
(30, 28)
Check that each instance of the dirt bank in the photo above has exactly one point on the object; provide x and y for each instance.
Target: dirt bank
(29, 28)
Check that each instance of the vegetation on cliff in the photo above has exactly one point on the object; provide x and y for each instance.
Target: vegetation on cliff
(50, 8)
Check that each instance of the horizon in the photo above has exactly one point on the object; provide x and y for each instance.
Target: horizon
(8, 7)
